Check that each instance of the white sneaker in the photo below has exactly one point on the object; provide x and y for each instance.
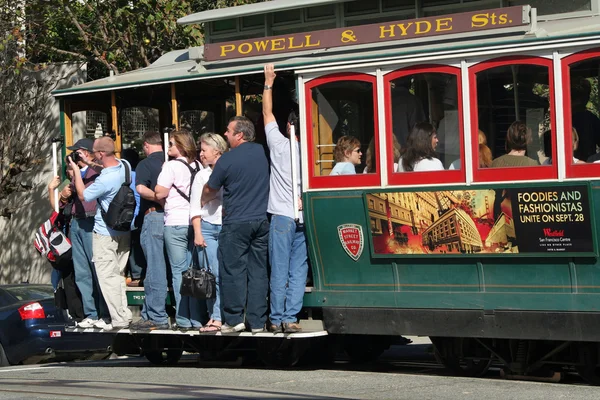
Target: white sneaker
(101, 324)
(87, 323)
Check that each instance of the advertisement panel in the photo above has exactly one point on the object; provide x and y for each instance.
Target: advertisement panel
(528, 220)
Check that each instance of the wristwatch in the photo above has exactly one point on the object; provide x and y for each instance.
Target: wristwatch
(267, 87)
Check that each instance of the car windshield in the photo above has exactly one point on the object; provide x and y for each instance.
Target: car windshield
(26, 293)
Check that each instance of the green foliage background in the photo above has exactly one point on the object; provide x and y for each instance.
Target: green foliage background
(115, 35)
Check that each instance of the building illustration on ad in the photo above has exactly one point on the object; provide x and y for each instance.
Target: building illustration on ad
(521, 220)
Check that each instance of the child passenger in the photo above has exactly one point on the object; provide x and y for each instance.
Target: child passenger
(347, 156)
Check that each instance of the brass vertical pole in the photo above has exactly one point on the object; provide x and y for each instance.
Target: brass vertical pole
(68, 124)
(238, 97)
(115, 122)
(174, 108)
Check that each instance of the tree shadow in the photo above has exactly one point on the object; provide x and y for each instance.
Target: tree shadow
(19, 261)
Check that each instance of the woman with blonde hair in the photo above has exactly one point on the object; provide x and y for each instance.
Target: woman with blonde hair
(485, 154)
(347, 156)
(207, 221)
(173, 185)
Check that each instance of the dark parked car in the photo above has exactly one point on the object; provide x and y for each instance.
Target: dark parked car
(32, 329)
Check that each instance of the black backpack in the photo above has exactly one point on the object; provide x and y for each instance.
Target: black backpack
(122, 207)
(193, 173)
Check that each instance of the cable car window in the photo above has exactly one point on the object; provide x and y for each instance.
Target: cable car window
(343, 121)
(581, 75)
(343, 113)
(584, 111)
(511, 116)
(425, 122)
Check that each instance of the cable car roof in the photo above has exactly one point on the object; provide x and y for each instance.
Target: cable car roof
(187, 64)
(251, 9)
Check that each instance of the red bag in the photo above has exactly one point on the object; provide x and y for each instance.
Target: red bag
(52, 243)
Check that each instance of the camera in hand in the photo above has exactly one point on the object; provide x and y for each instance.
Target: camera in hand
(76, 157)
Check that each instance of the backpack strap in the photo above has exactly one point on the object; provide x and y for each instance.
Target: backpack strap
(127, 173)
(193, 173)
(126, 183)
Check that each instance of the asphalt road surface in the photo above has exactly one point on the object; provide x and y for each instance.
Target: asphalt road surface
(404, 372)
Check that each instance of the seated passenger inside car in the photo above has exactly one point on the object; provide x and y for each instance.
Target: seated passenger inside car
(371, 160)
(518, 137)
(485, 154)
(419, 153)
(547, 138)
(347, 156)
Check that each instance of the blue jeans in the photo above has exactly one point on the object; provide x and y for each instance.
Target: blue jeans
(243, 272)
(86, 279)
(289, 267)
(179, 249)
(137, 261)
(55, 278)
(155, 282)
(211, 232)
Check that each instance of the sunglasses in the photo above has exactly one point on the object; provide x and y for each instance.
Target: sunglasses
(171, 144)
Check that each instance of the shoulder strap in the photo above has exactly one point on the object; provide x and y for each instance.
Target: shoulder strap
(192, 176)
(127, 173)
(127, 183)
(186, 164)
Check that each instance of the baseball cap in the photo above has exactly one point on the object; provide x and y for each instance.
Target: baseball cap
(85, 144)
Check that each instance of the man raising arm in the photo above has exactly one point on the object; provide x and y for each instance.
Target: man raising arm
(287, 251)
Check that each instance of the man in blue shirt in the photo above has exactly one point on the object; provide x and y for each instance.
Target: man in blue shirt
(243, 172)
(287, 242)
(110, 247)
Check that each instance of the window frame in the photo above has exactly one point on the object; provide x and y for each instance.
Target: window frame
(430, 177)
(575, 170)
(339, 181)
(509, 174)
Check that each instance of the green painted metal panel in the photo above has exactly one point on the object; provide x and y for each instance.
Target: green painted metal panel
(331, 265)
(456, 301)
(436, 277)
(528, 277)
(472, 281)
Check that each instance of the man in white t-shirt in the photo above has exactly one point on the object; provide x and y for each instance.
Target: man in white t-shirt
(287, 240)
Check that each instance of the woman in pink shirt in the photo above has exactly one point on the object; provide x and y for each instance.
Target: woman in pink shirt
(173, 185)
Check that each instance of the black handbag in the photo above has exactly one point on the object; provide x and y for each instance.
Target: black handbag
(198, 282)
